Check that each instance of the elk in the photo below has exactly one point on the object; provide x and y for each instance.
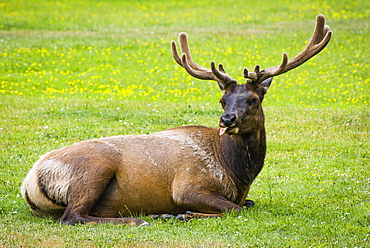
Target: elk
(191, 168)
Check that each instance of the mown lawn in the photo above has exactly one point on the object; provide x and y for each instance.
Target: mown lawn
(72, 71)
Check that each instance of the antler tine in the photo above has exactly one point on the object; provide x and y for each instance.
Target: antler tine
(193, 68)
(175, 54)
(320, 30)
(184, 45)
(187, 62)
(320, 38)
(258, 76)
(220, 73)
(200, 74)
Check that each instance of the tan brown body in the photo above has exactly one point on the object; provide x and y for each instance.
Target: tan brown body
(171, 171)
(194, 168)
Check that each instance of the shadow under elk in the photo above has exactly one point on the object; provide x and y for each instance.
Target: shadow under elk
(190, 168)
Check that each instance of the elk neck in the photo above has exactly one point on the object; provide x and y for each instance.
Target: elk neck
(243, 154)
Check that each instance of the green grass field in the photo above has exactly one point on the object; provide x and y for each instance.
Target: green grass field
(77, 70)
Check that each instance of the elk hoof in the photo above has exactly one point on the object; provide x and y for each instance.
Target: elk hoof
(185, 217)
(167, 216)
(144, 224)
(135, 222)
(162, 216)
(181, 217)
(248, 203)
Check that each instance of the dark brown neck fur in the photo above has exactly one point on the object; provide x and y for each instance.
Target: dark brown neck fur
(243, 155)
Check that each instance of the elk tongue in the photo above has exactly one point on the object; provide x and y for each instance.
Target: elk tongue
(223, 130)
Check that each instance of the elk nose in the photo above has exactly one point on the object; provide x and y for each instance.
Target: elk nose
(228, 120)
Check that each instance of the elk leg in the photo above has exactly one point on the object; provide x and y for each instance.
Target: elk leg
(83, 200)
(185, 217)
(191, 215)
(84, 197)
(246, 203)
(204, 200)
(94, 175)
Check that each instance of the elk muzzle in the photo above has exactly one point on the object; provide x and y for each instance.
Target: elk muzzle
(228, 123)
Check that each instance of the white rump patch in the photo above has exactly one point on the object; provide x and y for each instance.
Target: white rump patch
(59, 177)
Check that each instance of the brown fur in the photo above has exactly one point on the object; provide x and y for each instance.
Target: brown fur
(193, 168)
(167, 172)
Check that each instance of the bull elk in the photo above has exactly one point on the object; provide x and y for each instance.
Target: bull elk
(190, 168)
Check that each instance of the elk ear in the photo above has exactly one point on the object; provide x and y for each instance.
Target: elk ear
(226, 86)
(222, 87)
(264, 86)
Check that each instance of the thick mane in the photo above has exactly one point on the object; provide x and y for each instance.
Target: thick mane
(244, 156)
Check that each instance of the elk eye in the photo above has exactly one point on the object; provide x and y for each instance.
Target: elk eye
(254, 101)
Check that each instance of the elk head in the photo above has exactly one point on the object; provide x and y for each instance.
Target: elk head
(242, 103)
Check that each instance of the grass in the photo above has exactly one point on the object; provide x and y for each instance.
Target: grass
(88, 69)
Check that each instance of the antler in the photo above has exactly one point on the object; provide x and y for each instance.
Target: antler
(193, 68)
(320, 38)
